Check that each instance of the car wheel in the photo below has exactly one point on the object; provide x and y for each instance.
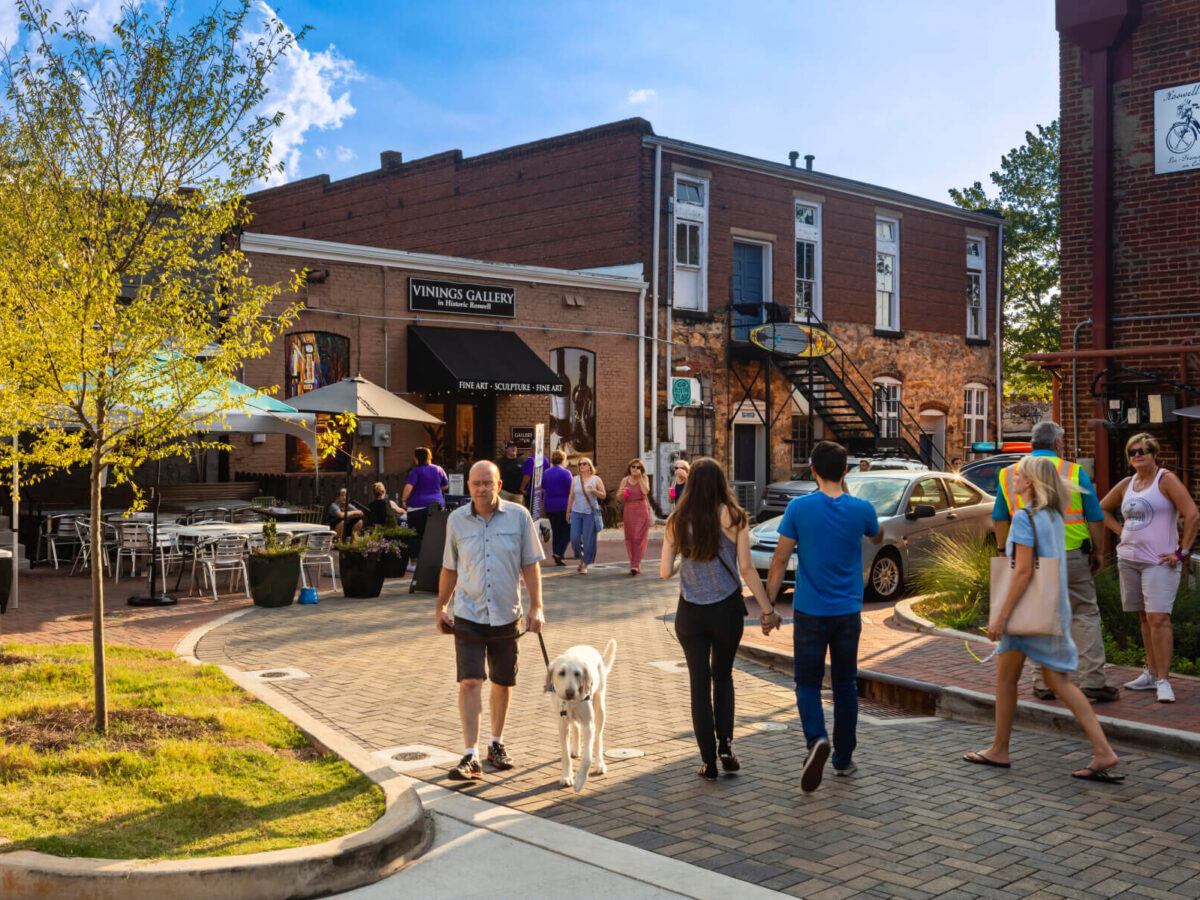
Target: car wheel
(886, 579)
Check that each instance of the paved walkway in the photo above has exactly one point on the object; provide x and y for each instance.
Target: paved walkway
(913, 822)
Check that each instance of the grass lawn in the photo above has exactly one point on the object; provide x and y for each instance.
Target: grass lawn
(191, 766)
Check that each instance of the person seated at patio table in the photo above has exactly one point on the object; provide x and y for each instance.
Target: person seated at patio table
(377, 512)
(337, 515)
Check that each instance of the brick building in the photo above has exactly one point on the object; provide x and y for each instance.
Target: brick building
(909, 288)
(1130, 170)
(483, 346)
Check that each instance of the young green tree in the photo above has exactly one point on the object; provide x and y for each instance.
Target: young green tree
(1028, 198)
(123, 298)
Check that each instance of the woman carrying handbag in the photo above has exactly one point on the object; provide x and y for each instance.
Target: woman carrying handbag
(1038, 532)
(587, 490)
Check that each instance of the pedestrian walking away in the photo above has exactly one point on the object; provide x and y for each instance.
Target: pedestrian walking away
(491, 546)
(1151, 555)
(825, 529)
(711, 533)
(587, 490)
(1045, 497)
(634, 494)
(557, 485)
(1086, 545)
(425, 486)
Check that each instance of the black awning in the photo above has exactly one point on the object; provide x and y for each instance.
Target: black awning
(470, 359)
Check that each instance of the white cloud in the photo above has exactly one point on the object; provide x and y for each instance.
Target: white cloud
(344, 154)
(319, 152)
(101, 16)
(642, 95)
(303, 86)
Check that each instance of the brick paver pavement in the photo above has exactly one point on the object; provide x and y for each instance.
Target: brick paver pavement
(913, 822)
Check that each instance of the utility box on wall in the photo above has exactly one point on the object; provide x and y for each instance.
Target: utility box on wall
(382, 436)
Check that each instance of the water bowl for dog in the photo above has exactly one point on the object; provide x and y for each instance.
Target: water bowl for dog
(308, 595)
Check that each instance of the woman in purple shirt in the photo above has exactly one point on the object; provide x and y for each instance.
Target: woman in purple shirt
(556, 482)
(423, 488)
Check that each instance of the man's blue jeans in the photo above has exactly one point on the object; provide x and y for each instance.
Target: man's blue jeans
(811, 636)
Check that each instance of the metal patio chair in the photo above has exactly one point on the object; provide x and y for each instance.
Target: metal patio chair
(224, 554)
(318, 553)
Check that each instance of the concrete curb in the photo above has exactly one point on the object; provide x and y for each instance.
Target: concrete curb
(974, 706)
(906, 618)
(400, 835)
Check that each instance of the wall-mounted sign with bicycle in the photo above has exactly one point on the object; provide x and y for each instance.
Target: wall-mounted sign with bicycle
(1177, 129)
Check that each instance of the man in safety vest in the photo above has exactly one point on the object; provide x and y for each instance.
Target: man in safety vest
(1086, 541)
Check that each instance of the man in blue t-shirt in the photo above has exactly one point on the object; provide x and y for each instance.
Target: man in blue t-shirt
(826, 529)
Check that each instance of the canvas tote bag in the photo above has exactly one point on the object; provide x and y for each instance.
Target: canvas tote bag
(1036, 611)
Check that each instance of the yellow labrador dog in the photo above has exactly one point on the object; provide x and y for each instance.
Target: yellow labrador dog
(578, 679)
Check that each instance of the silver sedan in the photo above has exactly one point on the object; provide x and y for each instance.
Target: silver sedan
(912, 507)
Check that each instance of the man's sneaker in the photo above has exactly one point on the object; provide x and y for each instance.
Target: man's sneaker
(468, 769)
(1144, 682)
(1165, 694)
(814, 766)
(849, 770)
(497, 757)
(1106, 693)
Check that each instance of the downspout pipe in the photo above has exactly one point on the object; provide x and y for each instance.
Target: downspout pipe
(641, 371)
(654, 296)
(999, 337)
(1075, 386)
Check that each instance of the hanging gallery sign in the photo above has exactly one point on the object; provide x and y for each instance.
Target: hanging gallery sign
(1177, 129)
(425, 295)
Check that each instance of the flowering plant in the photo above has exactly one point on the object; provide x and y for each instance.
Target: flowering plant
(378, 541)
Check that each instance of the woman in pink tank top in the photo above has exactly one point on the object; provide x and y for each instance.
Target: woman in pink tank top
(1151, 555)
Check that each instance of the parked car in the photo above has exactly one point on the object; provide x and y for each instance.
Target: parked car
(985, 473)
(912, 507)
(779, 493)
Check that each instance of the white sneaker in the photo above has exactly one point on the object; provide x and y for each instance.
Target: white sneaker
(1144, 682)
(1165, 694)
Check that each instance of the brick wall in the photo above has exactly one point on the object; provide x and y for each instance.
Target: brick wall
(352, 290)
(1156, 222)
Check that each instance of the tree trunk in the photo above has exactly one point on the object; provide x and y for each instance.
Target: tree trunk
(96, 538)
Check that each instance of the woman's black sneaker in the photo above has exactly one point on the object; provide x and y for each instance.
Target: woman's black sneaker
(468, 769)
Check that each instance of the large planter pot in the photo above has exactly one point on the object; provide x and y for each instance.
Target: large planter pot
(394, 566)
(273, 579)
(362, 574)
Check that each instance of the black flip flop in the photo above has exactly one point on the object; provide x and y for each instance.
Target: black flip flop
(980, 760)
(1101, 775)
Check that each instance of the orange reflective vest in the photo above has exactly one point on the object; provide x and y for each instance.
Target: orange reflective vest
(1077, 530)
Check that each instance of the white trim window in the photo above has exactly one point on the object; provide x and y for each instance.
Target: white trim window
(808, 261)
(689, 240)
(887, 407)
(975, 411)
(887, 274)
(976, 287)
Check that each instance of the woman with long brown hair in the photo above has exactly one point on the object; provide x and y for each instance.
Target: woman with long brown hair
(634, 492)
(712, 535)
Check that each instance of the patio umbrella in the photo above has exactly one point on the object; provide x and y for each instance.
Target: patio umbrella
(364, 399)
(1189, 412)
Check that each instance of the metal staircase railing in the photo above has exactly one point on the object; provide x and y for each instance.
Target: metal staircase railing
(851, 410)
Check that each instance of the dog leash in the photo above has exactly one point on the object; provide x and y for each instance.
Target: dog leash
(474, 638)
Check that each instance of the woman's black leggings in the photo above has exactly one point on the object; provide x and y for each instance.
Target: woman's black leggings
(709, 635)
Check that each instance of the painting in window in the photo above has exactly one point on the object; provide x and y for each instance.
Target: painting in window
(314, 359)
(573, 412)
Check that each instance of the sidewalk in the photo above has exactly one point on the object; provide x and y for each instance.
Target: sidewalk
(888, 648)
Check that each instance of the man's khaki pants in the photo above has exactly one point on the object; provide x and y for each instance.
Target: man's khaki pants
(1085, 624)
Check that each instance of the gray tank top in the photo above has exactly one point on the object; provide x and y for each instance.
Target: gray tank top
(711, 581)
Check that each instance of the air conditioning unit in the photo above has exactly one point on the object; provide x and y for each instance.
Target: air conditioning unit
(382, 436)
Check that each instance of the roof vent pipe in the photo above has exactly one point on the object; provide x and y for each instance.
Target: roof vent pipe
(808, 161)
(792, 157)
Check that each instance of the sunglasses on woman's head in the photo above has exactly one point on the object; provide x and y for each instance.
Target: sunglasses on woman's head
(1138, 451)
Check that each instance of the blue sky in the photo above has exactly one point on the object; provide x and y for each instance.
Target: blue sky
(916, 95)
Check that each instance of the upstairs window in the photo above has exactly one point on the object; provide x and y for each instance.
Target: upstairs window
(808, 256)
(687, 244)
(690, 237)
(975, 410)
(887, 274)
(689, 192)
(975, 287)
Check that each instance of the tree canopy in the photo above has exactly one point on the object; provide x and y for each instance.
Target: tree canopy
(1028, 198)
(124, 158)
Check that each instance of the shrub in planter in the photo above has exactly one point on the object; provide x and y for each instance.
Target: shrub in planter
(365, 560)
(958, 573)
(274, 570)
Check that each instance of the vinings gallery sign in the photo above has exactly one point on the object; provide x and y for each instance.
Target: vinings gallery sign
(466, 299)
